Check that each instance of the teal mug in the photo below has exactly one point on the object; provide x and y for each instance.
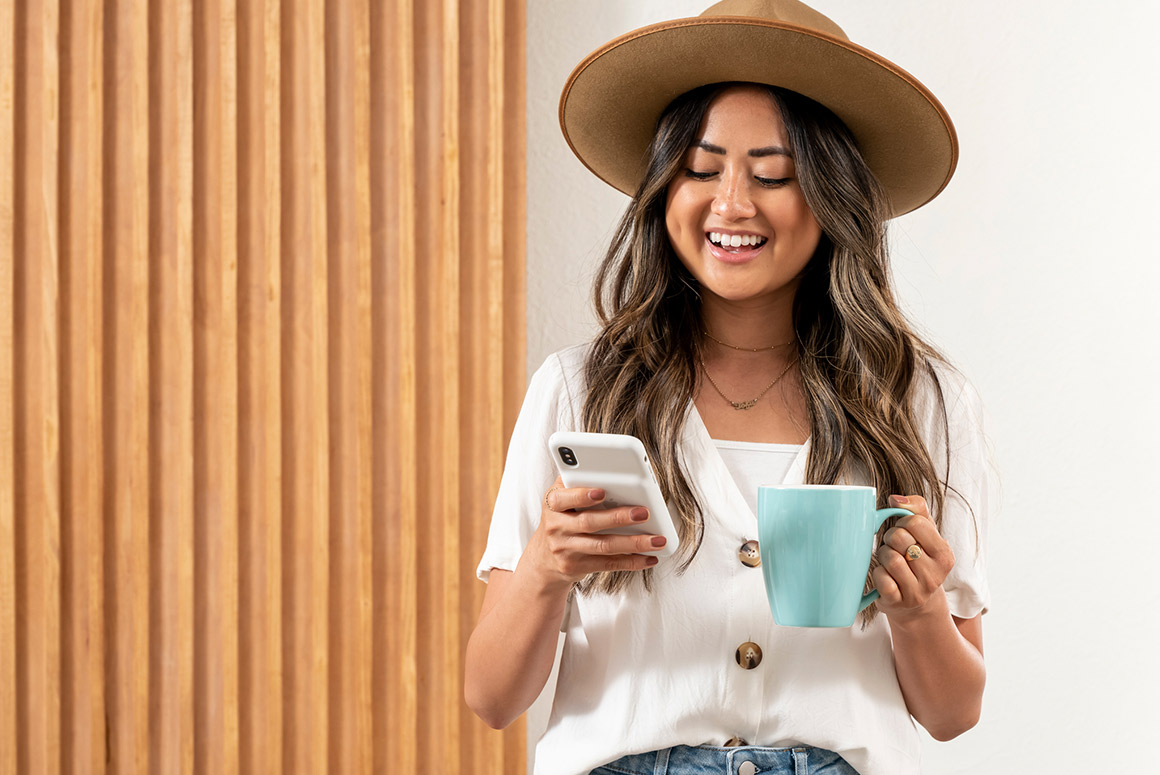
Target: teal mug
(815, 545)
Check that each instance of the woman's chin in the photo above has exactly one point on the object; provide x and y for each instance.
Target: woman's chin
(742, 292)
(735, 294)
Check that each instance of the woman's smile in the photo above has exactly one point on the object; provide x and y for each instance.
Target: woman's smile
(733, 247)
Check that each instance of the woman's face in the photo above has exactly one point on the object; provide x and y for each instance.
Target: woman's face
(736, 215)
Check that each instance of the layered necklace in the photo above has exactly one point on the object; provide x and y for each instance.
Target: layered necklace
(743, 405)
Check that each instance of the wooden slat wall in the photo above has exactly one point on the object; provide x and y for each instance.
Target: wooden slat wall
(261, 346)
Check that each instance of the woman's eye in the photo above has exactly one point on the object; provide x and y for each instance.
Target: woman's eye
(773, 182)
(699, 175)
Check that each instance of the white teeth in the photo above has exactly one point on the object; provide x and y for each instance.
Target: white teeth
(735, 240)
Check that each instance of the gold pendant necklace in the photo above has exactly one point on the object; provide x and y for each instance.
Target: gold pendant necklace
(743, 405)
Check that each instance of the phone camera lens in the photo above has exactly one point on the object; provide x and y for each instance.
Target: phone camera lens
(568, 456)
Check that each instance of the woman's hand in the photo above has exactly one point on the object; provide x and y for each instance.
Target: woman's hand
(915, 561)
(566, 546)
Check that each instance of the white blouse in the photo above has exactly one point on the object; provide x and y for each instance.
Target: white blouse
(643, 671)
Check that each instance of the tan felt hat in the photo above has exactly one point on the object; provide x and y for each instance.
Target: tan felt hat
(613, 99)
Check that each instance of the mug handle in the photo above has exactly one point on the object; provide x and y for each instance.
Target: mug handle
(881, 515)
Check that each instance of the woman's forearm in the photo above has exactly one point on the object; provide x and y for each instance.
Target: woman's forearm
(940, 671)
(512, 649)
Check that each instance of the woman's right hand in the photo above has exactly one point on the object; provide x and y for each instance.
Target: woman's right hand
(567, 547)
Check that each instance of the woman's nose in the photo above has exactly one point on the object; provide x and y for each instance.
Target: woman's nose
(732, 200)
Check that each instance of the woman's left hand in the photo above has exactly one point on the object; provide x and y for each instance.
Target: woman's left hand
(915, 561)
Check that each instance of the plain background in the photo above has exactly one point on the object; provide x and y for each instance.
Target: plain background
(1036, 271)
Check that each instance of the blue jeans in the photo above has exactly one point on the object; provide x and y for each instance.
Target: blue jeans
(745, 760)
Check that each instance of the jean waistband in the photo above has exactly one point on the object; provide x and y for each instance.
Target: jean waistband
(743, 760)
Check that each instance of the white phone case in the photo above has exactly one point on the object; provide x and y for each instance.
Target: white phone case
(619, 465)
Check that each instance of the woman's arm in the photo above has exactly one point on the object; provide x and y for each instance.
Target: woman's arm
(938, 657)
(939, 661)
(511, 650)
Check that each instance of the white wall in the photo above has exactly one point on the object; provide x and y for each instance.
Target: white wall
(1037, 271)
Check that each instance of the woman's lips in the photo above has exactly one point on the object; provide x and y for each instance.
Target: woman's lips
(738, 255)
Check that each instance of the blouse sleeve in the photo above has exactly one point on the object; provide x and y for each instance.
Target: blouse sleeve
(962, 459)
(529, 470)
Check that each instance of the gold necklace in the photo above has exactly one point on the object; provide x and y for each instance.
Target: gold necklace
(746, 349)
(741, 405)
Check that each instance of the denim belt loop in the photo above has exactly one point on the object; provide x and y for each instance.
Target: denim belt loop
(662, 763)
(801, 764)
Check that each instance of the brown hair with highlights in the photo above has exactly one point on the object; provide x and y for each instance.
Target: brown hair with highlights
(860, 362)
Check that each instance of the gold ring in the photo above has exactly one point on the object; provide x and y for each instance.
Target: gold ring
(913, 552)
(547, 505)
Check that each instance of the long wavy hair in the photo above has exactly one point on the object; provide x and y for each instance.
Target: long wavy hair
(860, 361)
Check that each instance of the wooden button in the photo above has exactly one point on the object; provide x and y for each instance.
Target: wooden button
(750, 554)
(748, 655)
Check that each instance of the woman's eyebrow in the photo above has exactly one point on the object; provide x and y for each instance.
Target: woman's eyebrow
(770, 150)
(757, 153)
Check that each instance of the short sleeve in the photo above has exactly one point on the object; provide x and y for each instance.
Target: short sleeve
(529, 471)
(962, 459)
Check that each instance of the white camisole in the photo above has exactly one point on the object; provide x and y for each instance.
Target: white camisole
(753, 464)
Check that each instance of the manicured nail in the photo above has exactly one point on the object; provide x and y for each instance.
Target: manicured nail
(900, 499)
(639, 514)
(658, 541)
(596, 495)
(651, 561)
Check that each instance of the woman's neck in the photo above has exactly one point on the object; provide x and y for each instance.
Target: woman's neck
(753, 324)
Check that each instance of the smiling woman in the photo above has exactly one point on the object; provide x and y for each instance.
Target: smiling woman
(749, 335)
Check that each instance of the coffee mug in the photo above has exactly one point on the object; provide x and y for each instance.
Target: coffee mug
(815, 543)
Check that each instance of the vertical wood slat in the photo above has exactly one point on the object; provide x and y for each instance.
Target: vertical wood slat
(229, 387)
(514, 212)
(227, 377)
(428, 372)
(127, 363)
(396, 412)
(260, 394)
(445, 295)
(476, 149)
(82, 536)
(305, 366)
(216, 380)
(38, 570)
(348, 236)
(9, 728)
(171, 384)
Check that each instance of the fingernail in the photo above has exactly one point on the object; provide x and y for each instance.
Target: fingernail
(658, 541)
(900, 499)
(651, 561)
(639, 514)
(596, 495)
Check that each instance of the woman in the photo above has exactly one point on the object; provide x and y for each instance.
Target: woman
(749, 336)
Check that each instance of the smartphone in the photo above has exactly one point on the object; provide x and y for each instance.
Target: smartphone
(617, 464)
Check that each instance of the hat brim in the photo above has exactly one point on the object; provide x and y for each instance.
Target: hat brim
(613, 99)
